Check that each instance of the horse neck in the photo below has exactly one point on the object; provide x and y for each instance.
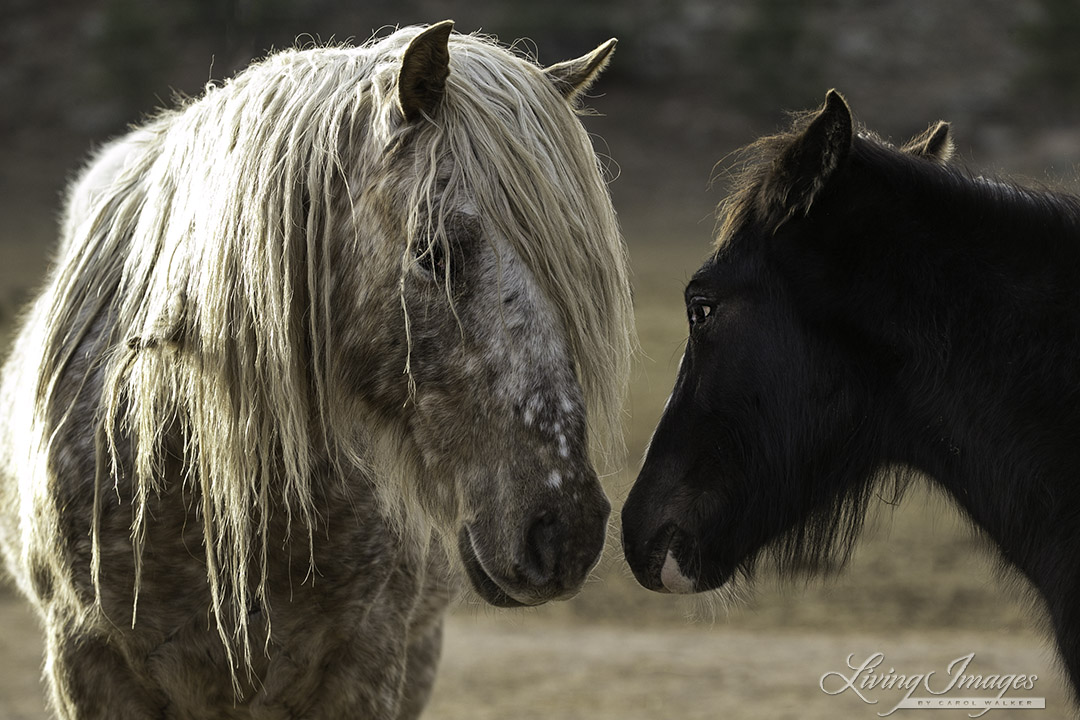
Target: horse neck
(973, 297)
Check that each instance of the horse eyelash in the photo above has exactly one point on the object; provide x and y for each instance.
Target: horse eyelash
(431, 257)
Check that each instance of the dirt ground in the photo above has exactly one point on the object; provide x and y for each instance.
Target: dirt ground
(495, 670)
(515, 665)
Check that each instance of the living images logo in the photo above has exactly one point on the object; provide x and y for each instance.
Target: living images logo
(957, 688)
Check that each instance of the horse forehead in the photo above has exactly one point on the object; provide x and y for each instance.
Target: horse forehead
(526, 336)
(519, 302)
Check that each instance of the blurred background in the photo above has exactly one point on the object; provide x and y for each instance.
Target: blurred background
(692, 80)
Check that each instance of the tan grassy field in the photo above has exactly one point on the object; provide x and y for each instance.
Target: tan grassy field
(920, 590)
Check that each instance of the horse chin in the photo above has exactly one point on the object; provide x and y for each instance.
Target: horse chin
(482, 582)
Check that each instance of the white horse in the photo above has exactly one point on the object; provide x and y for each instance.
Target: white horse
(312, 341)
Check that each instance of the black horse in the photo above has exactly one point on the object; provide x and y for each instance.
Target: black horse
(871, 313)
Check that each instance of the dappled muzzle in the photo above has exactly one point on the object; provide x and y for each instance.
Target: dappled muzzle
(546, 557)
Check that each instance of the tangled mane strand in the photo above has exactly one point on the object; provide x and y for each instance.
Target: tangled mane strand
(200, 273)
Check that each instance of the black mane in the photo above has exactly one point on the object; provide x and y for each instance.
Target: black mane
(1003, 205)
(999, 213)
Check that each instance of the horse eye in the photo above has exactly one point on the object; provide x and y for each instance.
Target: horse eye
(431, 258)
(698, 312)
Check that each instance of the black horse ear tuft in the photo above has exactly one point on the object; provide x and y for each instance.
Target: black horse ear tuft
(935, 144)
(574, 77)
(424, 69)
(802, 170)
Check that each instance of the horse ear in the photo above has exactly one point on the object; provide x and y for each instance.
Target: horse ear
(802, 170)
(574, 77)
(424, 69)
(935, 144)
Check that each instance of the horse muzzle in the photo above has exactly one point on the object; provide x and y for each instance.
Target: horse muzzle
(549, 561)
(656, 560)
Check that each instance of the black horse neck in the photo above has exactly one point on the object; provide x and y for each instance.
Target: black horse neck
(967, 293)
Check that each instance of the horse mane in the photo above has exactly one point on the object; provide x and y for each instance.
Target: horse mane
(547, 184)
(200, 275)
(745, 176)
(1013, 202)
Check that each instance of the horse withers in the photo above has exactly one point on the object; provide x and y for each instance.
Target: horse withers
(870, 314)
(310, 342)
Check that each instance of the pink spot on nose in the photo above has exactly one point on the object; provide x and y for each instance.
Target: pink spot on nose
(673, 579)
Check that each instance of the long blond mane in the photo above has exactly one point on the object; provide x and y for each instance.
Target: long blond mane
(201, 274)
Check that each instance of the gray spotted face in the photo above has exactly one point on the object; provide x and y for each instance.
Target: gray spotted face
(245, 424)
(495, 417)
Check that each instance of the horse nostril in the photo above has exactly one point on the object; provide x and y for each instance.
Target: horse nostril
(542, 549)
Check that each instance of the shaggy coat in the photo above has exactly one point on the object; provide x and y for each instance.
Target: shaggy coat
(871, 313)
(312, 342)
